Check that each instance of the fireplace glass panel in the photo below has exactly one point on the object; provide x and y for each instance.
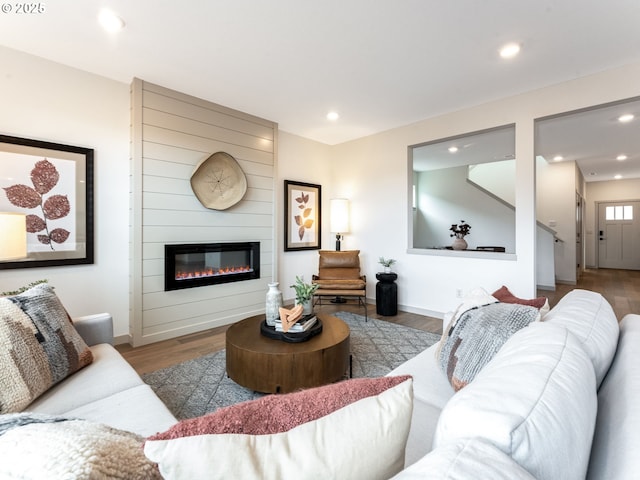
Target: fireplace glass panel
(194, 265)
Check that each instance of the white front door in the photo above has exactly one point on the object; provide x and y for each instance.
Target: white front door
(619, 235)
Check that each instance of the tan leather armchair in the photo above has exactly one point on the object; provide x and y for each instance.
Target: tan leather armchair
(339, 276)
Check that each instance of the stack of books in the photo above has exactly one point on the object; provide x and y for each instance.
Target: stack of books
(303, 324)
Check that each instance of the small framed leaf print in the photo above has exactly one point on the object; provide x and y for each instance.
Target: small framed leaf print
(302, 216)
(52, 184)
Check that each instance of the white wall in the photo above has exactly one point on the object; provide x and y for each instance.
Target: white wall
(497, 178)
(545, 255)
(47, 101)
(446, 198)
(306, 161)
(614, 190)
(556, 208)
(173, 133)
(374, 171)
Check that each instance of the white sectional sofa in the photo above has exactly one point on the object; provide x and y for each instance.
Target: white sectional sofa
(558, 401)
(108, 390)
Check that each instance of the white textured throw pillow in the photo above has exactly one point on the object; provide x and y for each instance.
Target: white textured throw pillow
(40, 446)
(535, 401)
(365, 439)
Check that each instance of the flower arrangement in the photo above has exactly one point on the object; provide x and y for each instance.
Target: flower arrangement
(386, 262)
(460, 231)
(304, 291)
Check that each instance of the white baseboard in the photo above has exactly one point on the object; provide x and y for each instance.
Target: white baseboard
(421, 311)
(122, 339)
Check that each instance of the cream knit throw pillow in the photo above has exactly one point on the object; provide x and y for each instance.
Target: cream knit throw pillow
(44, 446)
(477, 336)
(38, 346)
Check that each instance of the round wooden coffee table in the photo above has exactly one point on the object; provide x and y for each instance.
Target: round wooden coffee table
(274, 366)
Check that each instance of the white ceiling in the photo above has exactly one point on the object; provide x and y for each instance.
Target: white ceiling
(488, 146)
(594, 138)
(380, 63)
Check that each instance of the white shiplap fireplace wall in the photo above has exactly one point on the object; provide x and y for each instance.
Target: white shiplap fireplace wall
(171, 134)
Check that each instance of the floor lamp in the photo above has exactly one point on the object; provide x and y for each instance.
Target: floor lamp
(339, 219)
(13, 239)
(339, 226)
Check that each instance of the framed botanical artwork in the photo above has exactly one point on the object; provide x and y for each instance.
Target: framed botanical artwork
(52, 184)
(302, 204)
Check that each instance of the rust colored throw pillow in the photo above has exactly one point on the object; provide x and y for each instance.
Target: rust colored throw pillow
(504, 295)
(352, 429)
(39, 346)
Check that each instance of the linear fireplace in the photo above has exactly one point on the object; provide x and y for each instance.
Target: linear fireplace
(199, 264)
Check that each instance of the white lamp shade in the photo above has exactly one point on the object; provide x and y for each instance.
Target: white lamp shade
(339, 215)
(13, 236)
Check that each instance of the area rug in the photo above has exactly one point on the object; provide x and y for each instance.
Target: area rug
(200, 386)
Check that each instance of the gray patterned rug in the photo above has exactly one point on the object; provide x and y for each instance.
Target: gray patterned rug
(200, 386)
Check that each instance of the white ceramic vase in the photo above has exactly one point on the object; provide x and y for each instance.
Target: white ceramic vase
(459, 244)
(273, 304)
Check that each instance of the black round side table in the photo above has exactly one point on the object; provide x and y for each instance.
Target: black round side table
(386, 294)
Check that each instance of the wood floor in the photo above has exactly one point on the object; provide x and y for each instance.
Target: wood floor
(620, 287)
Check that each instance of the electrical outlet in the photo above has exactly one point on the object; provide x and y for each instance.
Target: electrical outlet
(459, 293)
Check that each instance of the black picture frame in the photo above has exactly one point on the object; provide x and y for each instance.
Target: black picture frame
(302, 216)
(52, 184)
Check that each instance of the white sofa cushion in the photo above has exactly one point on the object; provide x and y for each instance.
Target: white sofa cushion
(108, 374)
(617, 437)
(431, 392)
(107, 391)
(430, 384)
(535, 401)
(591, 319)
(424, 419)
(470, 458)
(136, 409)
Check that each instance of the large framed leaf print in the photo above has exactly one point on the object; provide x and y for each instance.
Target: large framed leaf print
(302, 204)
(52, 184)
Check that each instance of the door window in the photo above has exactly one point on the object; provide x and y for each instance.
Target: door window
(619, 212)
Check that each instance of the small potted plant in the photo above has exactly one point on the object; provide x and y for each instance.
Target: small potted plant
(459, 232)
(386, 263)
(304, 294)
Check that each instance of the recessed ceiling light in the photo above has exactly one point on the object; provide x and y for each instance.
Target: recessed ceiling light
(510, 50)
(617, 177)
(110, 21)
(621, 158)
(626, 118)
(333, 116)
(453, 149)
(558, 158)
